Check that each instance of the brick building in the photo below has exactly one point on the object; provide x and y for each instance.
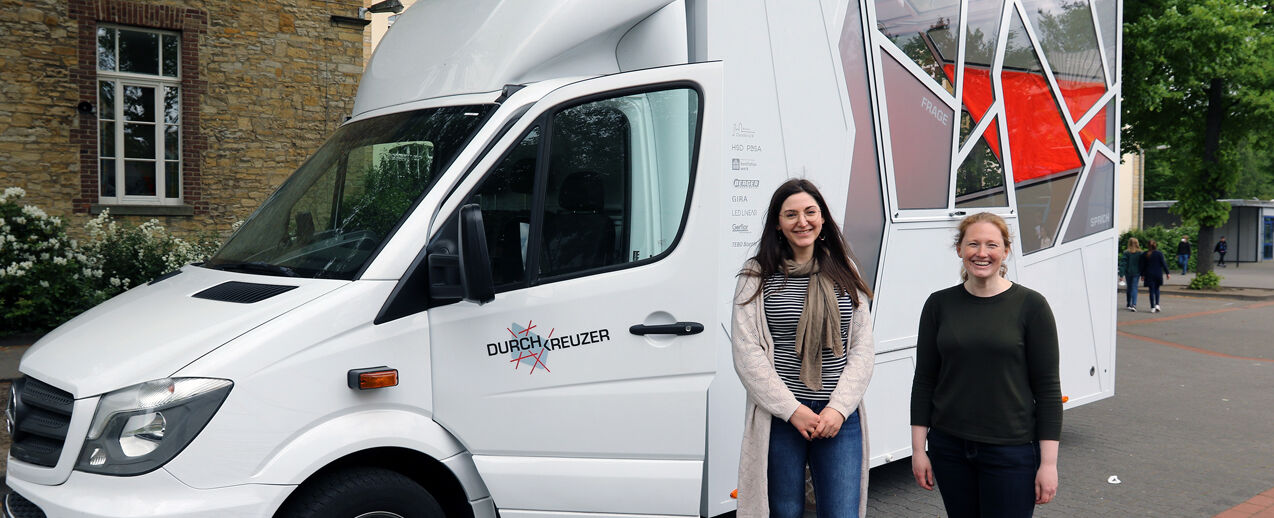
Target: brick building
(190, 111)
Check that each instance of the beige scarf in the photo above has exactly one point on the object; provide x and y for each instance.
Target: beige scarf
(819, 325)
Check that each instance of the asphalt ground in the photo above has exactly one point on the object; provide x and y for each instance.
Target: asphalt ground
(1188, 432)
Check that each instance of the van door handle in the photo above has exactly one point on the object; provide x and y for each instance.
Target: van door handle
(680, 328)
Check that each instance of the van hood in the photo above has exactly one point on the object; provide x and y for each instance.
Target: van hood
(153, 330)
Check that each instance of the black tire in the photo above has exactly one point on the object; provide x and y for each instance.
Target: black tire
(361, 492)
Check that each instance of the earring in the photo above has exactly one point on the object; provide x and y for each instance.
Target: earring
(822, 236)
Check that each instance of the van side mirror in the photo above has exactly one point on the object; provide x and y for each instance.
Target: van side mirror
(475, 260)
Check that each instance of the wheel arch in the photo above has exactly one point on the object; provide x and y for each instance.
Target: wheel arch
(430, 473)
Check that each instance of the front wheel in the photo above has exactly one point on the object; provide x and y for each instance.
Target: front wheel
(361, 492)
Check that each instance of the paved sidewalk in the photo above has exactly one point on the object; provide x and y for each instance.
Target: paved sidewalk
(1243, 281)
(1187, 432)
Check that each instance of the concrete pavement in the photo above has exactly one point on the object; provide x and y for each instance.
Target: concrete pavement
(1187, 432)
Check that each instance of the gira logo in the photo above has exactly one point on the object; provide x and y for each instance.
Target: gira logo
(525, 346)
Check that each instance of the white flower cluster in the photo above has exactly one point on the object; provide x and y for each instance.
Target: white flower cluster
(12, 193)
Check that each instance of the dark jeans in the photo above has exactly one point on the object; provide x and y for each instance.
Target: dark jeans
(1153, 288)
(984, 480)
(1222, 261)
(835, 465)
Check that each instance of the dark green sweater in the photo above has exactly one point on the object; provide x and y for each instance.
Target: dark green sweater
(986, 367)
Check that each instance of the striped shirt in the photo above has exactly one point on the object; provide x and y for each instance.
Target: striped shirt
(783, 301)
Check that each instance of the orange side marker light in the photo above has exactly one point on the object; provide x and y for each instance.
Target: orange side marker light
(734, 494)
(373, 378)
(1066, 398)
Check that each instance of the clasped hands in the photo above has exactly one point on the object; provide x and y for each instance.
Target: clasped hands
(823, 425)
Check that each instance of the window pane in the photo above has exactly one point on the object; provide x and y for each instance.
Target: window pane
(505, 197)
(105, 48)
(925, 30)
(918, 119)
(106, 100)
(139, 141)
(172, 143)
(171, 53)
(172, 182)
(615, 193)
(1041, 145)
(138, 52)
(139, 103)
(106, 177)
(172, 105)
(106, 139)
(1042, 204)
(139, 178)
(864, 207)
(1095, 208)
(1069, 40)
(980, 179)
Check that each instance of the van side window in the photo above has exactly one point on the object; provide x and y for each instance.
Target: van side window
(505, 197)
(617, 180)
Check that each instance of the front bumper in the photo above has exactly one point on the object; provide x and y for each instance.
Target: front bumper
(157, 493)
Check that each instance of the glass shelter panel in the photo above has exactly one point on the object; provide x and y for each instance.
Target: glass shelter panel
(1069, 41)
(1095, 207)
(926, 31)
(920, 135)
(981, 38)
(864, 208)
(1039, 138)
(980, 178)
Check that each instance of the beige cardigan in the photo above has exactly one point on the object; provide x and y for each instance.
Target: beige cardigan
(768, 396)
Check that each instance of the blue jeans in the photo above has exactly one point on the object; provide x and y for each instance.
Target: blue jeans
(984, 480)
(1183, 260)
(1131, 292)
(835, 465)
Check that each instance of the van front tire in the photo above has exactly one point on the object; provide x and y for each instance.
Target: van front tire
(361, 492)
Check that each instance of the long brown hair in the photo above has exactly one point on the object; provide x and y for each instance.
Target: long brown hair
(830, 249)
(985, 217)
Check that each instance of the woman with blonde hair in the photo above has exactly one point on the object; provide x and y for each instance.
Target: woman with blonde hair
(803, 349)
(1130, 272)
(986, 394)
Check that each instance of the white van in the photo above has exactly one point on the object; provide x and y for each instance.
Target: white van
(502, 287)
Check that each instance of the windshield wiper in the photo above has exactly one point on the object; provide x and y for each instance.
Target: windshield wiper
(254, 267)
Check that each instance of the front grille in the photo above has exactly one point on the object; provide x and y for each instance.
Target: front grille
(39, 414)
(17, 506)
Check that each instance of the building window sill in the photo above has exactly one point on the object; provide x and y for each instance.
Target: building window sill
(143, 210)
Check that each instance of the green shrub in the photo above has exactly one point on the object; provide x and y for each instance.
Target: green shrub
(1167, 238)
(131, 255)
(45, 279)
(1206, 281)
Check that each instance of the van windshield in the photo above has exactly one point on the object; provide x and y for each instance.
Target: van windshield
(328, 218)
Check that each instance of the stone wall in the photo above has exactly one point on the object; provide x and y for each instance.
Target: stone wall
(264, 83)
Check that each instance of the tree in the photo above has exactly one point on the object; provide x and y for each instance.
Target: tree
(1199, 79)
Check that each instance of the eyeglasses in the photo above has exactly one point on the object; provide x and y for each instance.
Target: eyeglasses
(792, 215)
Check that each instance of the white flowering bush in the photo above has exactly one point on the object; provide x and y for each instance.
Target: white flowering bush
(47, 278)
(131, 255)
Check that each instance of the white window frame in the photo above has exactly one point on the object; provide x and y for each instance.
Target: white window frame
(159, 83)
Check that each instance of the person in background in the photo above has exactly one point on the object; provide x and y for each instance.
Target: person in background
(986, 394)
(1221, 248)
(1183, 254)
(1154, 269)
(802, 344)
(1130, 272)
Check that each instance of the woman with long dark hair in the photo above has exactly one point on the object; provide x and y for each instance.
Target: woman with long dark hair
(804, 351)
(987, 395)
(1154, 269)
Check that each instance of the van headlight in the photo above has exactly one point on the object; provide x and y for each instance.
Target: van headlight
(137, 429)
